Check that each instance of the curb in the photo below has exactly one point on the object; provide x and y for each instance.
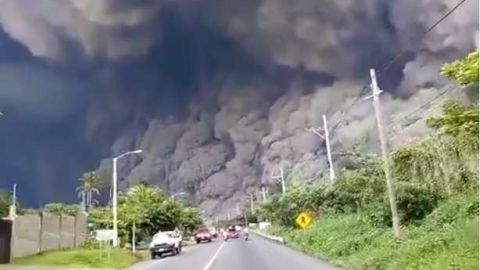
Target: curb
(276, 239)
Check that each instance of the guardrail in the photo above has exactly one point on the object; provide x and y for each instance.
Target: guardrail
(272, 238)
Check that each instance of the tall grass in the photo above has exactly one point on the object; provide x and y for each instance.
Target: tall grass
(446, 239)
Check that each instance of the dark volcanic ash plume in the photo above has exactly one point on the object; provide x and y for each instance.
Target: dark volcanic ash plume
(219, 93)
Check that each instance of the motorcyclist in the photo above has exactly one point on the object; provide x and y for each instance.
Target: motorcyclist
(245, 232)
(224, 233)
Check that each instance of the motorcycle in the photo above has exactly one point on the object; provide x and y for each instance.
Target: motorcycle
(225, 237)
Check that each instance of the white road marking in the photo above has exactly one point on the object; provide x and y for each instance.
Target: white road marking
(209, 264)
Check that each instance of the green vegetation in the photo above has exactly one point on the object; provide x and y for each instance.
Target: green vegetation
(90, 184)
(4, 203)
(147, 209)
(446, 239)
(94, 258)
(464, 71)
(61, 209)
(436, 191)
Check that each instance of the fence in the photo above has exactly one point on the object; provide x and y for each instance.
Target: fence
(5, 240)
(33, 233)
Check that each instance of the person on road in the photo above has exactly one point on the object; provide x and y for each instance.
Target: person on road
(245, 232)
(224, 233)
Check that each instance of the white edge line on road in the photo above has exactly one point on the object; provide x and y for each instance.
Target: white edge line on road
(209, 264)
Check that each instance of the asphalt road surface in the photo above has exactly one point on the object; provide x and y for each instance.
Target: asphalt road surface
(237, 254)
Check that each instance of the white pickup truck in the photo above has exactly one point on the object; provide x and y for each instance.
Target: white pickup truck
(165, 242)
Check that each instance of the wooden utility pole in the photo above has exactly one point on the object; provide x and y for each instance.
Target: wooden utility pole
(133, 237)
(281, 179)
(327, 143)
(386, 161)
(264, 194)
(329, 153)
(252, 208)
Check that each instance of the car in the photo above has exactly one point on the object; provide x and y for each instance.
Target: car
(213, 232)
(203, 235)
(165, 242)
(232, 232)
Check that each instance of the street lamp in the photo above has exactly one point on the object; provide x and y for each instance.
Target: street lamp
(177, 194)
(114, 193)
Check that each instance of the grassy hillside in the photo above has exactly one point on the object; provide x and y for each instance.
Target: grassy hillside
(446, 239)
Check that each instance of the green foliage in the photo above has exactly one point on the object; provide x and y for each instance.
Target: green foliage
(150, 210)
(415, 201)
(433, 180)
(61, 209)
(463, 71)
(460, 122)
(446, 239)
(251, 217)
(102, 217)
(4, 203)
(190, 220)
(91, 182)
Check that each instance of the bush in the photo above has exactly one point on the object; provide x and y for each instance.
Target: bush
(415, 201)
(457, 207)
(446, 239)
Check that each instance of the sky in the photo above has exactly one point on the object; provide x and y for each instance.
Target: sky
(81, 81)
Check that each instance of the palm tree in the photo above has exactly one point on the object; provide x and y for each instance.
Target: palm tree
(91, 181)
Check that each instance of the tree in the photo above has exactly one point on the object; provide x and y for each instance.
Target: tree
(61, 209)
(90, 184)
(458, 121)
(463, 71)
(190, 219)
(4, 203)
(147, 209)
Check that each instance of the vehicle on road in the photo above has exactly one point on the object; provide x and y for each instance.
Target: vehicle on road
(203, 235)
(213, 232)
(165, 242)
(232, 232)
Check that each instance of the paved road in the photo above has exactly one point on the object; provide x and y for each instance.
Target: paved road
(238, 254)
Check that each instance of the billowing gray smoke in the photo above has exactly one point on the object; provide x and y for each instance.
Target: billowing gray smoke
(218, 94)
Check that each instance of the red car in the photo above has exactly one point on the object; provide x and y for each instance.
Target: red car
(232, 233)
(203, 235)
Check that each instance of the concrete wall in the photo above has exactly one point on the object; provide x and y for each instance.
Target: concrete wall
(80, 229)
(50, 232)
(41, 232)
(26, 235)
(67, 232)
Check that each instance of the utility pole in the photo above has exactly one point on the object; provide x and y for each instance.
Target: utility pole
(114, 193)
(114, 203)
(281, 179)
(264, 194)
(252, 209)
(327, 142)
(13, 207)
(329, 153)
(245, 217)
(238, 209)
(133, 237)
(386, 161)
(14, 196)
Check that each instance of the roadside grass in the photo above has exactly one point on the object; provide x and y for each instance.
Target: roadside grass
(83, 257)
(446, 239)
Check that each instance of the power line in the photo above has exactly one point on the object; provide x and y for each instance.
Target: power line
(401, 53)
(389, 64)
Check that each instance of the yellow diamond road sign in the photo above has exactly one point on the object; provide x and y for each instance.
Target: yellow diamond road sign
(304, 220)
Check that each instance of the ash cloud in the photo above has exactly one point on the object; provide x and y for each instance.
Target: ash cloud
(218, 94)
